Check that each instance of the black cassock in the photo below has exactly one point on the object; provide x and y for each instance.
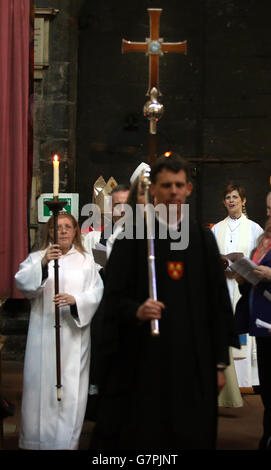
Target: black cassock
(161, 392)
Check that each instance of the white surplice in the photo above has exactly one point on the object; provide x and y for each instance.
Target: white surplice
(240, 235)
(48, 424)
(92, 240)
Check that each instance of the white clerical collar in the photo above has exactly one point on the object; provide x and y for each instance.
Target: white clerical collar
(234, 223)
(234, 219)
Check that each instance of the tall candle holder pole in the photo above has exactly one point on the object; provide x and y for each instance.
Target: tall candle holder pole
(55, 205)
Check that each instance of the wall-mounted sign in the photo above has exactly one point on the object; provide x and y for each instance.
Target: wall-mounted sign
(72, 205)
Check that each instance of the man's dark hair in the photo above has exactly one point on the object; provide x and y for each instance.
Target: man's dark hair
(174, 162)
(120, 187)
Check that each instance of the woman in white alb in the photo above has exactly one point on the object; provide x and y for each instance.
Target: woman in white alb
(49, 424)
(237, 234)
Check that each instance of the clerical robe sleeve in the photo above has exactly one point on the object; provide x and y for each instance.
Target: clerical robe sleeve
(29, 279)
(87, 301)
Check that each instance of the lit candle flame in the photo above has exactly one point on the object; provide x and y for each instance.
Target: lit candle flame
(56, 175)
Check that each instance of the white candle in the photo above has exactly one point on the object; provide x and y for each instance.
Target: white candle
(56, 174)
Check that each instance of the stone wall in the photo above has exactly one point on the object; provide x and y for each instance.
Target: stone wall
(55, 108)
(217, 98)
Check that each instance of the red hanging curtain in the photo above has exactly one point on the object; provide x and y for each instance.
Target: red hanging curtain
(15, 160)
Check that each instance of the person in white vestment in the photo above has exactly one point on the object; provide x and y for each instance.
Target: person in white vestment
(136, 196)
(237, 234)
(95, 238)
(49, 424)
(121, 195)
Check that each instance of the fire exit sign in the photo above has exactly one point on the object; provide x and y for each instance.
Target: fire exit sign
(71, 207)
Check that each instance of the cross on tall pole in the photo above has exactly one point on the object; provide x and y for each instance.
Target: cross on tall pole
(154, 47)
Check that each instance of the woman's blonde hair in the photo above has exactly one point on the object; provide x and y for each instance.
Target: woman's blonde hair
(47, 236)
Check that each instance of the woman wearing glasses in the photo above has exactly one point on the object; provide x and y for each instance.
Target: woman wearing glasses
(49, 424)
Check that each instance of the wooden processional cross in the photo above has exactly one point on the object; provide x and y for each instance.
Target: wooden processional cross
(154, 47)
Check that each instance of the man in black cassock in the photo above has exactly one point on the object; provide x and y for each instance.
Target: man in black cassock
(161, 392)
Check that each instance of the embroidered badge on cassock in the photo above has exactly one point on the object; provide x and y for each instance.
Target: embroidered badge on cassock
(175, 269)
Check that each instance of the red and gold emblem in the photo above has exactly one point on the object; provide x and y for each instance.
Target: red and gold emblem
(175, 269)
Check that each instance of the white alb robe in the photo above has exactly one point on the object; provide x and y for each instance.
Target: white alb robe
(240, 235)
(92, 240)
(48, 424)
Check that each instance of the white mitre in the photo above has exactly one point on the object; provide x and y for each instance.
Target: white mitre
(138, 171)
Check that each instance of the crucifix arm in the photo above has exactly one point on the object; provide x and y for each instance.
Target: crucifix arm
(129, 46)
(177, 47)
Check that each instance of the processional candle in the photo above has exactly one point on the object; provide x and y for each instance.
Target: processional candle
(56, 175)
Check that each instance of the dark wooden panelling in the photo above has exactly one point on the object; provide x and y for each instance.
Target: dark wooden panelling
(217, 99)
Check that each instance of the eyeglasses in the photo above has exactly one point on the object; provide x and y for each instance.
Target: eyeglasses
(65, 228)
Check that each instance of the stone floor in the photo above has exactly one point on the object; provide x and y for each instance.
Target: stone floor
(239, 428)
(12, 379)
